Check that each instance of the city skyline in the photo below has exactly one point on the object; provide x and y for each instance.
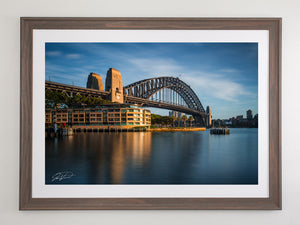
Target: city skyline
(244, 115)
(223, 75)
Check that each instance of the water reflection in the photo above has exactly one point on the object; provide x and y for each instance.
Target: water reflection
(128, 148)
(155, 158)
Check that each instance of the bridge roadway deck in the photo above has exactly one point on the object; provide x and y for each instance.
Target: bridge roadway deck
(73, 90)
(162, 105)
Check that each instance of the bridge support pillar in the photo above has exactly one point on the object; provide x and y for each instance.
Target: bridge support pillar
(208, 119)
(114, 85)
(95, 82)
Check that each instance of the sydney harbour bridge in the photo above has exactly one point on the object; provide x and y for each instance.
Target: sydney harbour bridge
(159, 92)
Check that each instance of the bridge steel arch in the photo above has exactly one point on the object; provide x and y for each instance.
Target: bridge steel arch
(146, 88)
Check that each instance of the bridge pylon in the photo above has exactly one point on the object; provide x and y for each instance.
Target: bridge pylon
(208, 119)
(114, 85)
(94, 82)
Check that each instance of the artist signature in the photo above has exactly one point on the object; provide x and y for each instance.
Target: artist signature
(62, 175)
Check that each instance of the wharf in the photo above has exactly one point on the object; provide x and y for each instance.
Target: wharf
(187, 129)
(219, 131)
(51, 132)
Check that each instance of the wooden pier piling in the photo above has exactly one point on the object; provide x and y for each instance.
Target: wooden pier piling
(218, 131)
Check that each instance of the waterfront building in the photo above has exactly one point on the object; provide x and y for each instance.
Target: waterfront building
(105, 115)
(94, 82)
(249, 114)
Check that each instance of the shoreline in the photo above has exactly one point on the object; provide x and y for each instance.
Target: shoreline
(187, 129)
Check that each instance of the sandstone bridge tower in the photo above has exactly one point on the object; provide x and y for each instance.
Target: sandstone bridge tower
(114, 85)
(94, 82)
(208, 119)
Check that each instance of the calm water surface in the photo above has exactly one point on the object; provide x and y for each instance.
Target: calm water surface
(154, 158)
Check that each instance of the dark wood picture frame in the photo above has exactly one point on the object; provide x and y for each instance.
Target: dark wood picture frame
(273, 25)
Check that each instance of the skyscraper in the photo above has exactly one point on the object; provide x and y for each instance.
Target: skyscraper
(249, 114)
(175, 113)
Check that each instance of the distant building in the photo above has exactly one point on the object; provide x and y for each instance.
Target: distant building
(240, 117)
(175, 113)
(208, 120)
(94, 82)
(249, 114)
(228, 122)
(238, 121)
(106, 115)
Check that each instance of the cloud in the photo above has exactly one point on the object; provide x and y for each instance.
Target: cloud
(55, 68)
(61, 73)
(53, 53)
(73, 56)
(58, 53)
(154, 66)
(217, 85)
(229, 70)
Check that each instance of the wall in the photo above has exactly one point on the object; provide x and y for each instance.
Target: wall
(11, 10)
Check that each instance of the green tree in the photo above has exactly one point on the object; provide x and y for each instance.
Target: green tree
(54, 97)
(178, 120)
(184, 118)
(162, 120)
(166, 120)
(173, 120)
(191, 120)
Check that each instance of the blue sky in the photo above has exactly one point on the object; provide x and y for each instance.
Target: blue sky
(223, 75)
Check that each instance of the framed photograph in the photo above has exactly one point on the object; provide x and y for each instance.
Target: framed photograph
(150, 113)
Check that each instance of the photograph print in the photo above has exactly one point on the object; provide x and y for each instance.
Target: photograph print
(151, 113)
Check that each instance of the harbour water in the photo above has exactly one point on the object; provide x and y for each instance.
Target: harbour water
(153, 158)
